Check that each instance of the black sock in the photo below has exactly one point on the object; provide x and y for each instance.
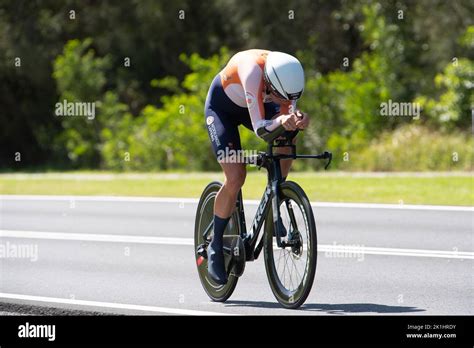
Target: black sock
(219, 227)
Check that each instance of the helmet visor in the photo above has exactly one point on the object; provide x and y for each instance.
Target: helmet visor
(271, 88)
(276, 93)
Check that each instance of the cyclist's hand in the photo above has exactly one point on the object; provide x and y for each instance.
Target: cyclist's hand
(303, 120)
(288, 121)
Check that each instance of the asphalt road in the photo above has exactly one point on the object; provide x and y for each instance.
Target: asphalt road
(90, 255)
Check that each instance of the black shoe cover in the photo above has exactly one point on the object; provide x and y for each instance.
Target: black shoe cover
(216, 265)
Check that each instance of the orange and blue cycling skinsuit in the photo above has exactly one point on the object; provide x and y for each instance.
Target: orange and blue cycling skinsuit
(238, 96)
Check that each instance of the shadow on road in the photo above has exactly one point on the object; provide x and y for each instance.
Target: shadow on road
(341, 308)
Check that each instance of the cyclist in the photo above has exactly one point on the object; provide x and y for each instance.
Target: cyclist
(257, 89)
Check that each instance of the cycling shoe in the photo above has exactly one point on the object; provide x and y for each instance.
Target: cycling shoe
(216, 265)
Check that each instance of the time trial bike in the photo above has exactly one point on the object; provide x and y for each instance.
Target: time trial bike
(289, 239)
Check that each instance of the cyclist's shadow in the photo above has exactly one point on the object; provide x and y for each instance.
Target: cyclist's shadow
(339, 308)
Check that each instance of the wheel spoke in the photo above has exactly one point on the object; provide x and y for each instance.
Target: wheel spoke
(296, 275)
(291, 276)
(279, 260)
(283, 273)
(296, 269)
(290, 268)
(286, 263)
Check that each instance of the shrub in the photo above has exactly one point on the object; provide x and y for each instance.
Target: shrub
(415, 148)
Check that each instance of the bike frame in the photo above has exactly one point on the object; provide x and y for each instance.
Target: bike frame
(270, 196)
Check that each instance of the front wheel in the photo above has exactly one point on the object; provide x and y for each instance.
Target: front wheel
(203, 232)
(291, 270)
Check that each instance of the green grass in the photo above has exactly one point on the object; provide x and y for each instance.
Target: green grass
(437, 189)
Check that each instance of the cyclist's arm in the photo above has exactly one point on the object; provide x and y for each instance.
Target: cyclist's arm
(251, 77)
(282, 119)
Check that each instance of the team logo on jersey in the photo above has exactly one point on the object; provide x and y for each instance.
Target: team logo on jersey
(210, 120)
(250, 99)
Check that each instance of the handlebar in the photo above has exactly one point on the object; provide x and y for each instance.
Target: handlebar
(325, 155)
(288, 137)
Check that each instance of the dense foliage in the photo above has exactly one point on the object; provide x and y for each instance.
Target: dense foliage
(147, 66)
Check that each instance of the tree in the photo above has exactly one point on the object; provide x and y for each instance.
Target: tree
(80, 77)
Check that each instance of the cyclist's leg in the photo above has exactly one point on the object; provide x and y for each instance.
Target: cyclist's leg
(235, 174)
(272, 110)
(224, 136)
(286, 163)
(223, 208)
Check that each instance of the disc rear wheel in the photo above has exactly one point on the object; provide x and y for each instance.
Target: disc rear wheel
(203, 223)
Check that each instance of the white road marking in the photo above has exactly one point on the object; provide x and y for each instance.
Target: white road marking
(355, 250)
(98, 199)
(396, 252)
(391, 206)
(96, 237)
(176, 311)
(249, 202)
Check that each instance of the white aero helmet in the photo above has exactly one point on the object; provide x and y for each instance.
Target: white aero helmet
(284, 75)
